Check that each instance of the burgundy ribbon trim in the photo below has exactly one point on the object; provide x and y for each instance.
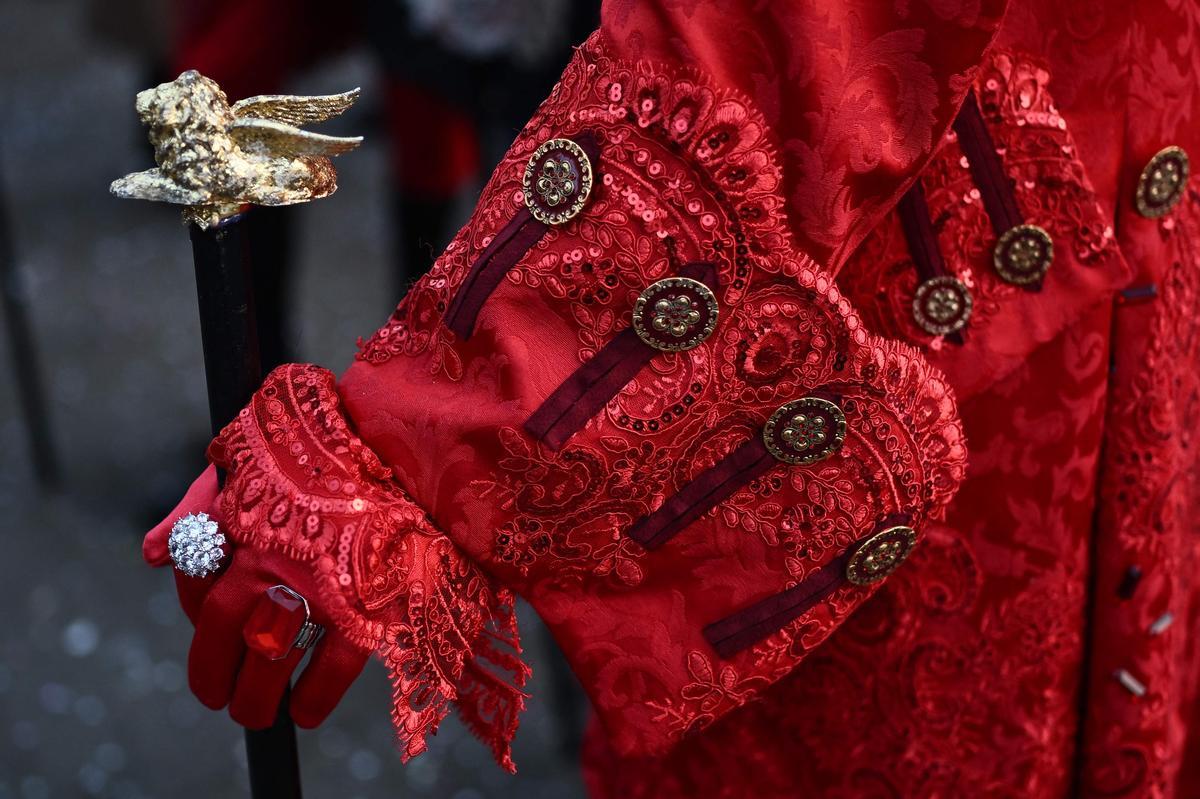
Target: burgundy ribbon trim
(995, 186)
(713, 486)
(922, 241)
(710, 488)
(918, 230)
(508, 247)
(747, 627)
(750, 625)
(592, 385)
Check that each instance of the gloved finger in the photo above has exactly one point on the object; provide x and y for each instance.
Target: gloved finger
(335, 664)
(217, 647)
(192, 593)
(201, 497)
(261, 683)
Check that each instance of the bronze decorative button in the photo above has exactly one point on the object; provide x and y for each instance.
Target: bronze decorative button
(805, 431)
(558, 180)
(880, 555)
(1023, 254)
(942, 305)
(1160, 188)
(675, 313)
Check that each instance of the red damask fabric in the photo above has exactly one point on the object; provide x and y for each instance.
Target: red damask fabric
(1042, 454)
(856, 94)
(989, 665)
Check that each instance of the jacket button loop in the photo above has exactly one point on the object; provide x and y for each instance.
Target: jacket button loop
(675, 314)
(557, 181)
(942, 305)
(880, 555)
(805, 431)
(1023, 254)
(1161, 185)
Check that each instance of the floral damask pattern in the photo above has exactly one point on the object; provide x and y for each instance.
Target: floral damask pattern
(983, 664)
(857, 94)
(791, 133)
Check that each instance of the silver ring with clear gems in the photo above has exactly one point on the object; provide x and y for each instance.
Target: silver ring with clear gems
(195, 545)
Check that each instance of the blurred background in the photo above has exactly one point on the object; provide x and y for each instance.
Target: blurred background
(103, 414)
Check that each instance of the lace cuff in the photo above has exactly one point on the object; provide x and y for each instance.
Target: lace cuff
(300, 481)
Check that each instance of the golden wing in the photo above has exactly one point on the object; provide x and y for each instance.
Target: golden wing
(154, 185)
(262, 136)
(293, 110)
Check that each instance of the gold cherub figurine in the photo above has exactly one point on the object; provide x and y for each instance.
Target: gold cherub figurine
(214, 158)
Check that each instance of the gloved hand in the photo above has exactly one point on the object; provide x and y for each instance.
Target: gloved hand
(222, 669)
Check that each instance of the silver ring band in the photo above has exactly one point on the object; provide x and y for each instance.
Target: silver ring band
(310, 632)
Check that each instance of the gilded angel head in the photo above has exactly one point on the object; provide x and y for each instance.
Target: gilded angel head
(214, 157)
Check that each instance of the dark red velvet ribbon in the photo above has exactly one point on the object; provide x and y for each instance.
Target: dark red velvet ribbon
(592, 385)
(987, 171)
(995, 186)
(747, 627)
(922, 240)
(750, 625)
(710, 488)
(918, 231)
(508, 247)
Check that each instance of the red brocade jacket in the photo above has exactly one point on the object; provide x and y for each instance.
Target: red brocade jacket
(826, 375)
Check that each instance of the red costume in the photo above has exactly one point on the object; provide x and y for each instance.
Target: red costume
(760, 302)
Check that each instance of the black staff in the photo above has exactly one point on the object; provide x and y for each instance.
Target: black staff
(218, 160)
(233, 370)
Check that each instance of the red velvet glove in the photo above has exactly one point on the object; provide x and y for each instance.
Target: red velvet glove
(222, 670)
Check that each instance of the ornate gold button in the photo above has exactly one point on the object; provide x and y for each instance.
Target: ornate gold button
(557, 182)
(942, 305)
(805, 430)
(880, 555)
(675, 313)
(1023, 254)
(1160, 188)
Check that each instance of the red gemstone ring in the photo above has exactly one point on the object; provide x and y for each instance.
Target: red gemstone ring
(280, 623)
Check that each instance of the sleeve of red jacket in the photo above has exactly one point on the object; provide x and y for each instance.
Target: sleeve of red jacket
(693, 503)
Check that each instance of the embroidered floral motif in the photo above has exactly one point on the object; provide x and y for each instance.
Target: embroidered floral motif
(723, 207)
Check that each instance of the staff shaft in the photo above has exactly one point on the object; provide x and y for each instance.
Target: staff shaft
(233, 370)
